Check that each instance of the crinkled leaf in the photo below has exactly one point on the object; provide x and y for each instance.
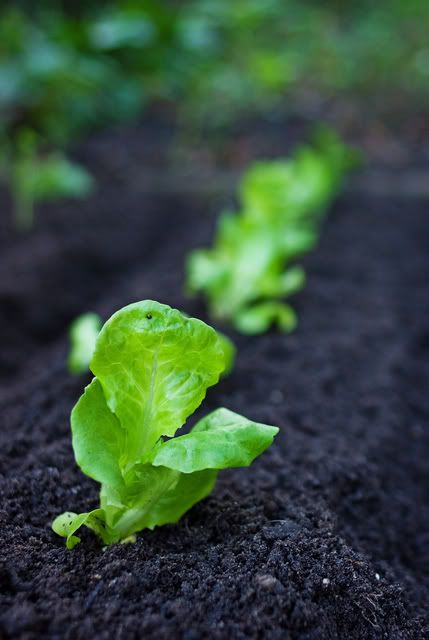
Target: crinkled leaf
(221, 440)
(83, 336)
(155, 366)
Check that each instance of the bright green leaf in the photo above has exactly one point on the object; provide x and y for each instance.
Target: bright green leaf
(98, 437)
(221, 440)
(155, 366)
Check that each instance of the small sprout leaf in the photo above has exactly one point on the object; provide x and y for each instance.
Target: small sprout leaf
(83, 336)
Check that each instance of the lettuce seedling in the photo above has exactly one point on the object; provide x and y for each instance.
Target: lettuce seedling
(152, 367)
(84, 331)
(296, 192)
(252, 266)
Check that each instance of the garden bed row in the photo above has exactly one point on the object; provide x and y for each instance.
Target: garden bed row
(326, 535)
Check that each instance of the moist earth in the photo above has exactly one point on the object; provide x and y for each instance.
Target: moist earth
(326, 536)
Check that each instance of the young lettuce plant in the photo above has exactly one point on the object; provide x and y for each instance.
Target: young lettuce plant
(252, 266)
(152, 367)
(246, 271)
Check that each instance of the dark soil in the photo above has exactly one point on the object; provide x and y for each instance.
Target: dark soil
(326, 536)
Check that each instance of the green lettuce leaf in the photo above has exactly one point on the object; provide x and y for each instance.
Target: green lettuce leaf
(155, 366)
(221, 440)
(98, 437)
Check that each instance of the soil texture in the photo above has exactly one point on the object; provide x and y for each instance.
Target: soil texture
(326, 536)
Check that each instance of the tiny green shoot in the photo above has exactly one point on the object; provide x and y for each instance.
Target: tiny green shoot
(84, 331)
(152, 367)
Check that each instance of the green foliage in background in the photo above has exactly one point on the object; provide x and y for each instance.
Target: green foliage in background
(250, 54)
(153, 366)
(252, 264)
(35, 178)
(64, 73)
